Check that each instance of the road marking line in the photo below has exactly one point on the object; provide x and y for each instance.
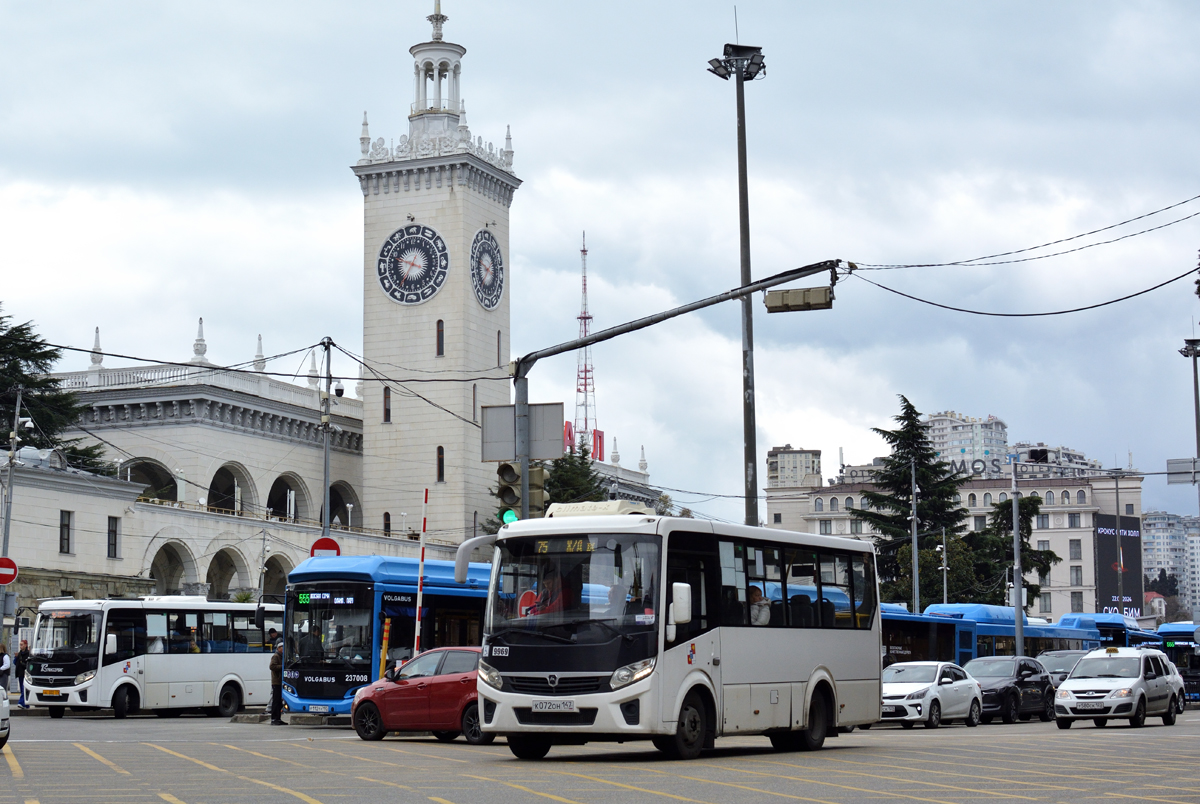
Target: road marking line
(893, 779)
(628, 786)
(429, 756)
(32, 801)
(96, 756)
(320, 770)
(170, 799)
(550, 796)
(440, 800)
(13, 765)
(795, 778)
(307, 799)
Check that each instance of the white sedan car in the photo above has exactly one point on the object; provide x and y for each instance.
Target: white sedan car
(930, 692)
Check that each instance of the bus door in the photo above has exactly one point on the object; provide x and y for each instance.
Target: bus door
(692, 559)
(124, 652)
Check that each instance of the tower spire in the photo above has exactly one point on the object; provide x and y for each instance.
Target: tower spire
(438, 19)
(260, 361)
(585, 381)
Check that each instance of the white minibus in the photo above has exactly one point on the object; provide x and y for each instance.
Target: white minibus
(634, 626)
(166, 653)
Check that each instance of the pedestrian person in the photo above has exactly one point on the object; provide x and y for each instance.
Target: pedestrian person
(277, 685)
(22, 662)
(5, 668)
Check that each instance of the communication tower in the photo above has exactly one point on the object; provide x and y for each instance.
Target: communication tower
(585, 380)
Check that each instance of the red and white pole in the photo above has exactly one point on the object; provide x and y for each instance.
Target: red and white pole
(421, 575)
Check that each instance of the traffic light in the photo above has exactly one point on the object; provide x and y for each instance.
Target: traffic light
(537, 492)
(508, 490)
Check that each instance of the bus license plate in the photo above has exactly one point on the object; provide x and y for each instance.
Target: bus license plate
(559, 705)
(318, 708)
(51, 692)
(1084, 705)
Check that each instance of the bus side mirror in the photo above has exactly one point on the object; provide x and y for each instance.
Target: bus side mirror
(110, 645)
(260, 617)
(681, 600)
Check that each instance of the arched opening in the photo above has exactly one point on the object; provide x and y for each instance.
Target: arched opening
(288, 498)
(227, 574)
(231, 491)
(441, 338)
(387, 523)
(441, 464)
(499, 362)
(275, 580)
(344, 508)
(158, 480)
(387, 404)
(172, 569)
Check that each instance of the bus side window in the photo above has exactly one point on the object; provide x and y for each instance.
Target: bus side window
(835, 592)
(800, 588)
(246, 638)
(156, 632)
(129, 628)
(733, 582)
(762, 565)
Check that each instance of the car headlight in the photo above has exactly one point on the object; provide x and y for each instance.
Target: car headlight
(624, 676)
(1121, 693)
(918, 695)
(82, 677)
(1062, 694)
(490, 676)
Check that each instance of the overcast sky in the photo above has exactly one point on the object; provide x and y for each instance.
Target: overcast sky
(162, 162)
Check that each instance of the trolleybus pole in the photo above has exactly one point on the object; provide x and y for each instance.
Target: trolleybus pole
(421, 575)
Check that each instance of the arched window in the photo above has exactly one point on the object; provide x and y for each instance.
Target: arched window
(441, 338)
(819, 506)
(971, 500)
(849, 503)
(1020, 495)
(387, 406)
(1004, 498)
(475, 406)
(1049, 501)
(987, 500)
(833, 505)
(1080, 498)
(499, 360)
(441, 465)
(957, 498)
(387, 524)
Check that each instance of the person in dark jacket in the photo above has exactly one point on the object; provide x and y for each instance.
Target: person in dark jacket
(277, 685)
(22, 662)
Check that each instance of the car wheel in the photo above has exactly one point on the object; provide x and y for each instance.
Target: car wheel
(812, 738)
(906, 724)
(4, 740)
(1063, 723)
(1139, 714)
(1100, 722)
(1012, 710)
(529, 746)
(229, 701)
(57, 711)
(865, 727)
(446, 736)
(690, 731)
(1047, 713)
(1170, 715)
(472, 729)
(985, 720)
(124, 703)
(974, 716)
(1181, 705)
(368, 722)
(935, 715)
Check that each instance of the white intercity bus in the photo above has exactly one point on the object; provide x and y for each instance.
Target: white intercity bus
(627, 626)
(167, 653)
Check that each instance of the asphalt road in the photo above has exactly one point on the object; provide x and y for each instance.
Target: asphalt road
(196, 760)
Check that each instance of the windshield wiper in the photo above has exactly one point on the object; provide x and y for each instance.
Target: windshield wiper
(1111, 675)
(542, 634)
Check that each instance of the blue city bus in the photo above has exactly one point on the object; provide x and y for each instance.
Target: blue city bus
(995, 630)
(909, 637)
(1179, 643)
(337, 608)
(1116, 630)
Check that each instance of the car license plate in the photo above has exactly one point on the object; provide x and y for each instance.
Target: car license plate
(1083, 705)
(557, 705)
(51, 692)
(318, 708)
(890, 710)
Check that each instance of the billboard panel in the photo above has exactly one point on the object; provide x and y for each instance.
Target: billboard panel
(1113, 555)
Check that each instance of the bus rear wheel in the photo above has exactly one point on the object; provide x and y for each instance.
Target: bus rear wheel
(228, 702)
(528, 746)
(812, 738)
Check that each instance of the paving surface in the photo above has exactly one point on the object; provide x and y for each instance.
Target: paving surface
(197, 760)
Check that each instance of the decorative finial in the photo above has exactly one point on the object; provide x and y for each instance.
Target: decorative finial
(364, 140)
(616, 455)
(199, 348)
(438, 19)
(642, 465)
(314, 378)
(97, 355)
(358, 388)
(260, 363)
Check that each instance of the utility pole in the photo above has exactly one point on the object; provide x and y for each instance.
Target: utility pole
(326, 423)
(1120, 551)
(8, 498)
(1191, 349)
(945, 568)
(262, 571)
(916, 568)
(1018, 589)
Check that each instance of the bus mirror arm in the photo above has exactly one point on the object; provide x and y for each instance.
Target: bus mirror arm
(463, 557)
(670, 622)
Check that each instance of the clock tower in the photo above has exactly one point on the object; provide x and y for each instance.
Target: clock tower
(435, 304)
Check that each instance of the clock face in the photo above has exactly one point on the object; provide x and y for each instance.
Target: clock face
(413, 264)
(487, 269)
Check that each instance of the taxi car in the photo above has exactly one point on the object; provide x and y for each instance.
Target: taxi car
(1128, 683)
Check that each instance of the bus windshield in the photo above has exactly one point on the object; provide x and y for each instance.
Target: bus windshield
(67, 636)
(1106, 667)
(575, 589)
(329, 624)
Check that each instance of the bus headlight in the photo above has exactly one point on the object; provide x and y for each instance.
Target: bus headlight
(624, 676)
(490, 676)
(28, 679)
(83, 677)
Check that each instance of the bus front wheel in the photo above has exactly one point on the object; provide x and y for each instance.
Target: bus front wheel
(528, 746)
(124, 702)
(690, 731)
(57, 711)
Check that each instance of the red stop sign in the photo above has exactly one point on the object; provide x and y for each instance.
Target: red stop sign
(8, 571)
(321, 547)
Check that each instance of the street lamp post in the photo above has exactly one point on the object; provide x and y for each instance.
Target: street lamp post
(745, 63)
(1191, 348)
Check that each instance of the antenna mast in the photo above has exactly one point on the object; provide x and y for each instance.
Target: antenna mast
(585, 381)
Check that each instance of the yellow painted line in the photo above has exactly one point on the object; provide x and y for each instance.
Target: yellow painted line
(13, 765)
(550, 796)
(909, 769)
(307, 799)
(629, 786)
(96, 756)
(427, 756)
(309, 767)
(32, 801)
(789, 795)
(844, 786)
(170, 799)
(892, 779)
(440, 800)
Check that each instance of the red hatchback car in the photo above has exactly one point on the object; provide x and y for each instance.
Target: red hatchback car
(433, 692)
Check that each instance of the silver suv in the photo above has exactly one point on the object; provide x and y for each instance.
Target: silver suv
(1130, 683)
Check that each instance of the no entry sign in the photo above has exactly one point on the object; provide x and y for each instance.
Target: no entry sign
(321, 547)
(8, 571)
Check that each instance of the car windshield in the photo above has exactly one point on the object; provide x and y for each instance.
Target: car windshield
(1059, 664)
(67, 635)
(1108, 667)
(910, 674)
(990, 668)
(576, 589)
